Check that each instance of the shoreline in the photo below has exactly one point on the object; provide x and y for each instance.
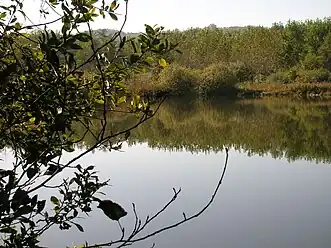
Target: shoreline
(256, 90)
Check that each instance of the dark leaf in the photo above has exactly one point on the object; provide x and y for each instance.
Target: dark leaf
(86, 209)
(149, 30)
(79, 167)
(34, 201)
(20, 198)
(19, 194)
(13, 20)
(123, 42)
(75, 214)
(66, 9)
(83, 37)
(79, 227)
(55, 201)
(52, 169)
(23, 210)
(134, 46)
(75, 46)
(31, 172)
(68, 196)
(113, 210)
(7, 230)
(113, 16)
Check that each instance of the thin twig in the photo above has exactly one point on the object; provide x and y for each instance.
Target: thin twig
(130, 240)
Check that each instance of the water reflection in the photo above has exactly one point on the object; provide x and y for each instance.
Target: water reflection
(264, 202)
(282, 128)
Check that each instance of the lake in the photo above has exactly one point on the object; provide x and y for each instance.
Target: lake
(276, 191)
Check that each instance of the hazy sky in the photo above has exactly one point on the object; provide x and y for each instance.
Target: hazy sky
(183, 14)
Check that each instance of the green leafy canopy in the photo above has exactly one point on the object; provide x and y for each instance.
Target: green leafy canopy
(48, 85)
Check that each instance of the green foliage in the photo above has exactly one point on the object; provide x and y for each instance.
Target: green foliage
(46, 89)
(242, 71)
(297, 52)
(178, 79)
(279, 77)
(300, 76)
(313, 76)
(293, 90)
(251, 53)
(254, 46)
(312, 61)
(216, 78)
(325, 51)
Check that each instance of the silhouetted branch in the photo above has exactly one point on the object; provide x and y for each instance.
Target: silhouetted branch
(143, 119)
(40, 24)
(114, 37)
(137, 228)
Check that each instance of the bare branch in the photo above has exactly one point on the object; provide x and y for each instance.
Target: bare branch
(131, 239)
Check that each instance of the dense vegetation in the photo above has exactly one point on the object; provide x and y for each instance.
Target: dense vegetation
(215, 59)
(285, 129)
(281, 59)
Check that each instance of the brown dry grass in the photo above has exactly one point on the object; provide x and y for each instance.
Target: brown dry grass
(300, 89)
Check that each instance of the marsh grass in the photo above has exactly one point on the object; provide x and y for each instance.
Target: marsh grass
(291, 89)
(232, 80)
(214, 79)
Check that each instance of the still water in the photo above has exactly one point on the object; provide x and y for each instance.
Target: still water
(276, 191)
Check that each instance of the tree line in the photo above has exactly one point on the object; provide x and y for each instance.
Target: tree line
(215, 60)
(212, 57)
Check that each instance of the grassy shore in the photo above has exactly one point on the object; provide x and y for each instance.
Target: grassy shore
(232, 80)
(304, 90)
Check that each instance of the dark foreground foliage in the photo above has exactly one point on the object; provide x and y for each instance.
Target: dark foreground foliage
(46, 88)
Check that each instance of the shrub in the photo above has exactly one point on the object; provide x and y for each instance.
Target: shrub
(313, 76)
(312, 61)
(143, 83)
(259, 78)
(216, 78)
(279, 77)
(178, 79)
(242, 71)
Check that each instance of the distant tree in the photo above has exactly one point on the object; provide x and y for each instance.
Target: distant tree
(212, 26)
(325, 52)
